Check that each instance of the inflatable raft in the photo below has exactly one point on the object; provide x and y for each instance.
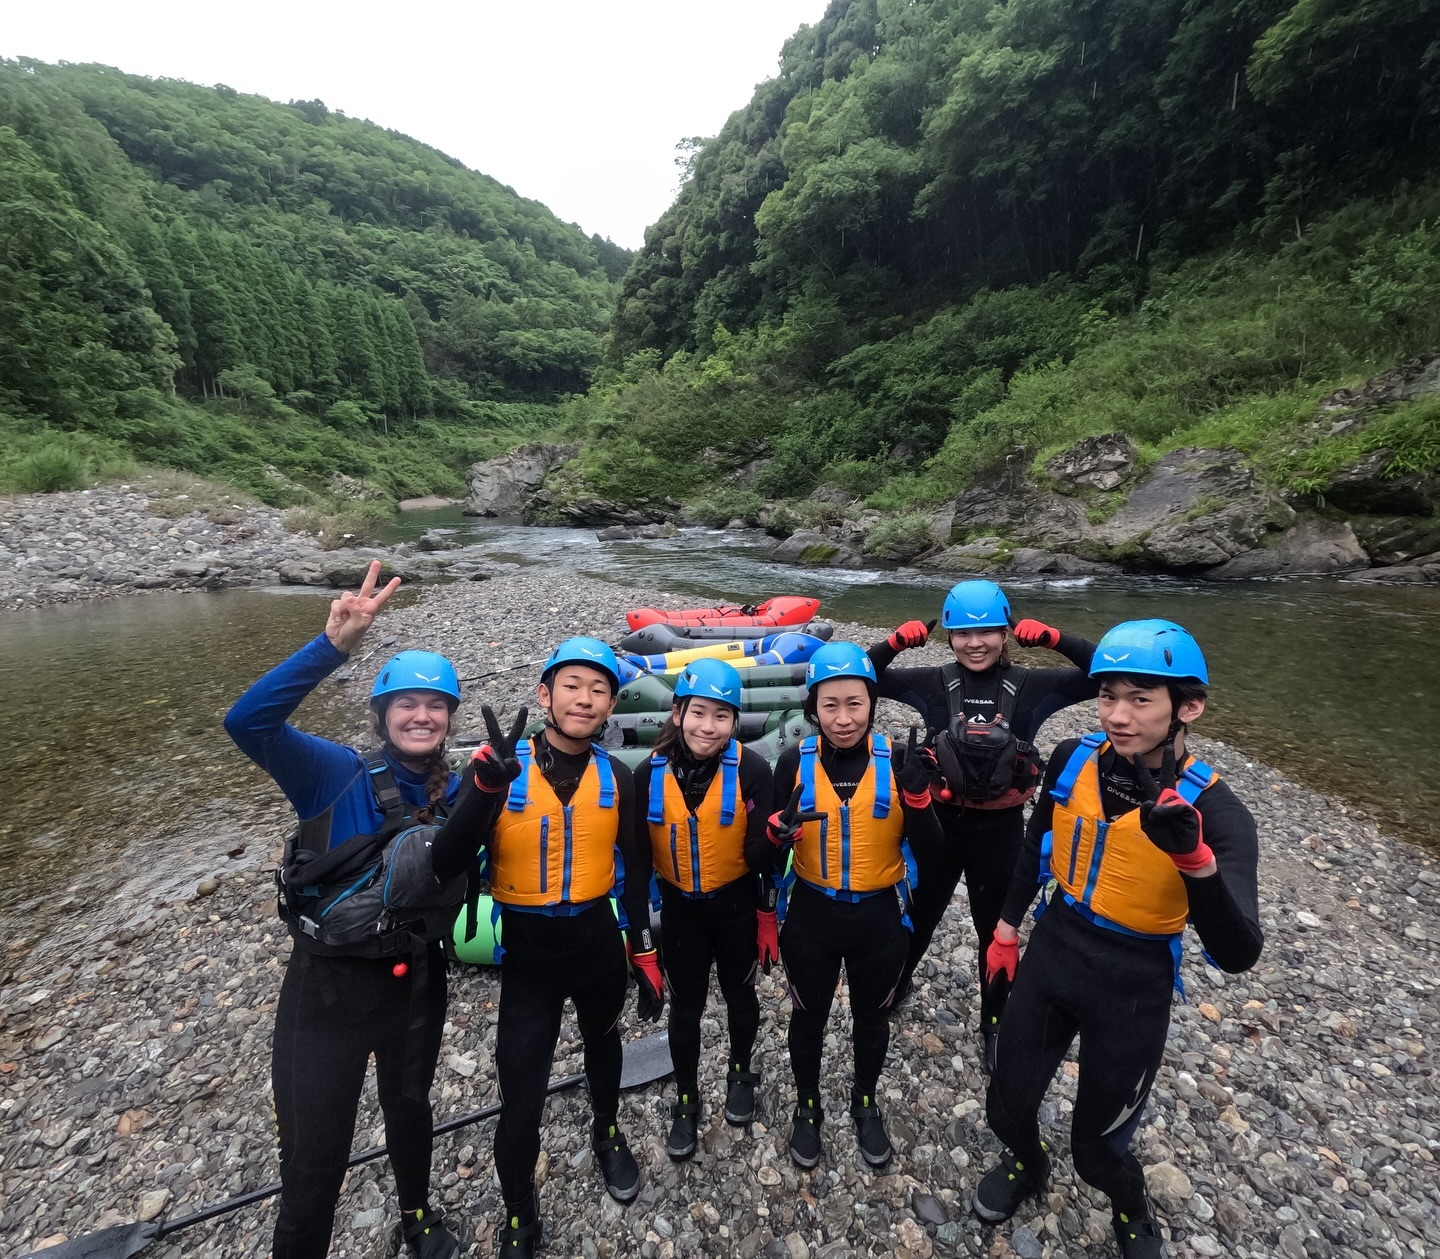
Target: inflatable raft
(781, 610)
(655, 639)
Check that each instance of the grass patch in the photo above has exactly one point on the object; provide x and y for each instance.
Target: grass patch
(355, 524)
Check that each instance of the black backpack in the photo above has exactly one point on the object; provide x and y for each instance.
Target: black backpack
(983, 760)
(374, 895)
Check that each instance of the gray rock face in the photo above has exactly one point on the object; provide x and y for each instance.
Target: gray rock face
(1196, 508)
(1003, 504)
(1424, 568)
(1312, 546)
(1101, 462)
(1397, 540)
(502, 487)
(819, 550)
(584, 510)
(1364, 487)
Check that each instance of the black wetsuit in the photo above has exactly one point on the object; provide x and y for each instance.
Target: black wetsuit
(981, 844)
(1112, 990)
(823, 933)
(548, 957)
(719, 929)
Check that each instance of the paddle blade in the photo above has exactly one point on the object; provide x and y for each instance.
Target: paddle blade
(646, 1060)
(119, 1242)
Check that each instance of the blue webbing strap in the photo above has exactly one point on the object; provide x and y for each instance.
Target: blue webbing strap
(880, 752)
(808, 749)
(1084, 750)
(600, 758)
(729, 781)
(519, 795)
(656, 813)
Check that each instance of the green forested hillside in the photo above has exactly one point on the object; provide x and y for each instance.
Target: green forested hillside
(953, 226)
(315, 282)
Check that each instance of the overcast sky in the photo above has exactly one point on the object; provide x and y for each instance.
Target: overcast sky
(576, 103)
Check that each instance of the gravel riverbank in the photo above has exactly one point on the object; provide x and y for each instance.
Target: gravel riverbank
(1297, 1113)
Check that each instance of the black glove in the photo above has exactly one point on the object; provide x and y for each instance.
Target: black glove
(784, 826)
(649, 982)
(494, 764)
(1169, 821)
(917, 772)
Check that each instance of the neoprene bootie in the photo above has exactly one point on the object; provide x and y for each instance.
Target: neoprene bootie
(740, 1095)
(617, 1164)
(870, 1132)
(520, 1234)
(426, 1235)
(1138, 1236)
(684, 1127)
(1004, 1188)
(805, 1133)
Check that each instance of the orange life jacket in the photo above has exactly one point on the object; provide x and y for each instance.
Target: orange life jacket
(543, 853)
(857, 847)
(698, 852)
(1111, 870)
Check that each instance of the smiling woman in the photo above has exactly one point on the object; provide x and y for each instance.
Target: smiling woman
(384, 992)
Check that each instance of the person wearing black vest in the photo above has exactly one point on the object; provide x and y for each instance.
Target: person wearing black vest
(983, 713)
(555, 817)
(340, 1004)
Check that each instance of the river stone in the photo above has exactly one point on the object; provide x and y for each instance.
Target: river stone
(616, 533)
(1100, 462)
(818, 550)
(1312, 546)
(151, 1204)
(501, 487)
(1168, 1183)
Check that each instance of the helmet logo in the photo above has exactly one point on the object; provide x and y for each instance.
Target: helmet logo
(835, 668)
(1116, 659)
(424, 678)
(717, 690)
(588, 652)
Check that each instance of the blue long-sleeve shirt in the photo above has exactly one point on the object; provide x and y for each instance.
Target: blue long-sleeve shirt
(314, 773)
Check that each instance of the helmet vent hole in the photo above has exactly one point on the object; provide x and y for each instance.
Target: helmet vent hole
(1169, 657)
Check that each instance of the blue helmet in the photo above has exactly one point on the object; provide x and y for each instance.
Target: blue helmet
(710, 679)
(975, 605)
(418, 671)
(1158, 649)
(587, 651)
(839, 660)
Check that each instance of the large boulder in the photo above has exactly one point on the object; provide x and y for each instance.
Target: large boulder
(502, 487)
(1312, 547)
(1195, 508)
(1397, 539)
(564, 508)
(1365, 487)
(818, 550)
(1422, 569)
(1005, 502)
(1101, 462)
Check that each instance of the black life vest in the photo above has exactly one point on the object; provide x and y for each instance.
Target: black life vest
(984, 763)
(374, 895)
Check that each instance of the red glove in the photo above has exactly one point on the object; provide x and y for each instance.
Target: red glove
(645, 966)
(1001, 959)
(911, 634)
(1036, 634)
(768, 939)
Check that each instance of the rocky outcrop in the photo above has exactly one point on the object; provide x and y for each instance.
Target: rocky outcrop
(1101, 462)
(1312, 547)
(1016, 508)
(1365, 487)
(560, 507)
(1196, 508)
(1397, 539)
(1424, 568)
(818, 550)
(503, 486)
(631, 533)
(995, 556)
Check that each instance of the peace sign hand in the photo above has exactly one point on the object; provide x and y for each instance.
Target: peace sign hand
(1169, 821)
(917, 771)
(784, 826)
(495, 764)
(351, 613)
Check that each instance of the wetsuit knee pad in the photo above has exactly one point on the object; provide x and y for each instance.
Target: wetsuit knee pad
(1098, 1161)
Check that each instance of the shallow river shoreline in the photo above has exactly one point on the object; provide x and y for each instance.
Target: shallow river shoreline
(1297, 1113)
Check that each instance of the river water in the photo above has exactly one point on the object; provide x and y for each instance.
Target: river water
(111, 721)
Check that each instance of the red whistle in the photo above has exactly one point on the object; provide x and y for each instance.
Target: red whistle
(400, 970)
